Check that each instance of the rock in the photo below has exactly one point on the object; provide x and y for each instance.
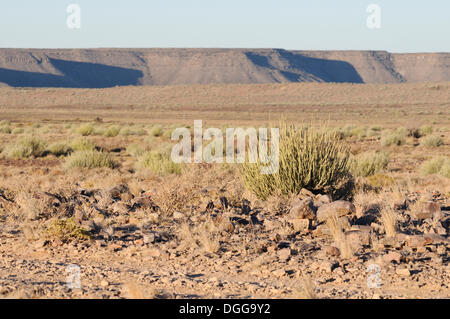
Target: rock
(306, 192)
(358, 236)
(340, 207)
(331, 251)
(116, 191)
(404, 272)
(177, 215)
(279, 272)
(303, 209)
(104, 283)
(149, 238)
(284, 254)
(429, 210)
(115, 247)
(392, 256)
(152, 252)
(323, 199)
(415, 241)
(120, 208)
(326, 266)
(272, 224)
(441, 250)
(223, 224)
(300, 225)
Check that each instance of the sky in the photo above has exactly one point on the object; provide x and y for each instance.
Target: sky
(405, 25)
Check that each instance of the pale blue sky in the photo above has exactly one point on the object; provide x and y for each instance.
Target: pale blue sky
(406, 25)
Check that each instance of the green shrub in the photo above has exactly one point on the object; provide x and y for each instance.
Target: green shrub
(431, 141)
(86, 130)
(369, 163)
(82, 144)
(26, 147)
(59, 149)
(112, 131)
(135, 150)
(18, 130)
(126, 131)
(5, 129)
(140, 132)
(66, 230)
(438, 165)
(308, 158)
(425, 130)
(157, 131)
(90, 159)
(397, 137)
(159, 163)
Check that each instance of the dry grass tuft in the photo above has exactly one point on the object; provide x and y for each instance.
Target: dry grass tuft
(389, 220)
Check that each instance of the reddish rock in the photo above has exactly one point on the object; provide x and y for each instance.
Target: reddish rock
(300, 225)
(331, 251)
(303, 209)
(340, 207)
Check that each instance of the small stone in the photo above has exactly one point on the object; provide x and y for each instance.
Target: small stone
(404, 272)
(331, 251)
(441, 250)
(177, 215)
(323, 199)
(326, 266)
(104, 283)
(306, 192)
(279, 272)
(415, 241)
(303, 209)
(284, 254)
(115, 247)
(149, 238)
(300, 225)
(340, 208)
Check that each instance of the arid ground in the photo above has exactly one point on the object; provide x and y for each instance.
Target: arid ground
(86, 181)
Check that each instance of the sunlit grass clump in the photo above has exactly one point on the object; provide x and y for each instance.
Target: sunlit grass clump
(112, 131)
(82, 144)
(135, 150)
(311, 158)
(159, 163)
(60, 149)
(369, 163)
(26, 147)
(431, 141)
(90, 159)
(85, 129)
(394, 138)
(438, 165)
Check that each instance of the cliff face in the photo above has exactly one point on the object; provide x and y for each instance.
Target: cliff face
(99, 68)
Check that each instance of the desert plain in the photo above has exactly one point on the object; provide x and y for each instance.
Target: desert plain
(87, 189)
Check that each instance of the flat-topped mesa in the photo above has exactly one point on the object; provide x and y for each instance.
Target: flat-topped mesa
(100, 68)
